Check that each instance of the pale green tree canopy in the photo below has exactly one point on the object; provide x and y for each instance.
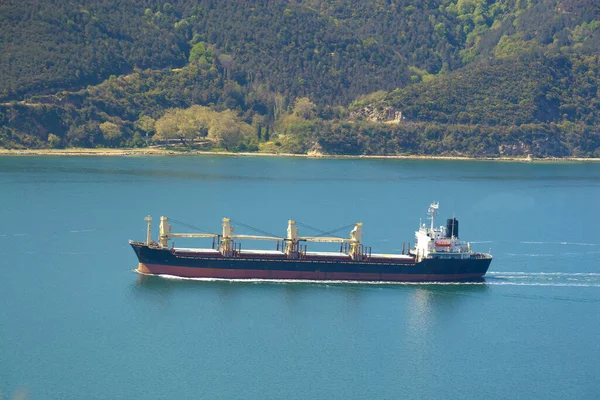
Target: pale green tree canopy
(198, 121)
(110, 131)
(53, 141)
(145, 124)
(227, 130)
(304, 108)
(201, 53)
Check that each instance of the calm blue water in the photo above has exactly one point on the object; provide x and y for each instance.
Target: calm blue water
(77, 323)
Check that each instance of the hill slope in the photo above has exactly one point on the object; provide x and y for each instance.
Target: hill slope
(474, 71)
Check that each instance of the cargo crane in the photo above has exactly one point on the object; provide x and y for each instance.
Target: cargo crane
(291, 247)
(356, 250)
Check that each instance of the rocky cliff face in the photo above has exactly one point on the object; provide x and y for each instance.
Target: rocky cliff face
(386, 115)
(315, 151)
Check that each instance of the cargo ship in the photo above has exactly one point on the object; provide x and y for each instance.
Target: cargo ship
(438, 255)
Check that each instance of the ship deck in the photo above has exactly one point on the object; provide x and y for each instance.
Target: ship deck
(277, 254)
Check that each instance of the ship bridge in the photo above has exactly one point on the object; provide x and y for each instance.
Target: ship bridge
(441, 242)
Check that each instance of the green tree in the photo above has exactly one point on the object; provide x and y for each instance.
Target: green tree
(304, 108)
(145, 124)
(166, 127)
(137, 140)
(53, 141)
(184, 124)
(227, 130)
(201, 53)
(77, 136)
(111, 132)
(227, 62)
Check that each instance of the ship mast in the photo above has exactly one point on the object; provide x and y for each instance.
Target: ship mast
(433, 207)
(165, 233)
(291, 248)
(149, 231)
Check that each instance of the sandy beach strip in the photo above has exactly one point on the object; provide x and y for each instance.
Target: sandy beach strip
(153, 151)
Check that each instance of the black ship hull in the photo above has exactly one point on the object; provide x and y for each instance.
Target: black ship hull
(159, 261)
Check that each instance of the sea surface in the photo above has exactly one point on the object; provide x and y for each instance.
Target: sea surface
(77, 322)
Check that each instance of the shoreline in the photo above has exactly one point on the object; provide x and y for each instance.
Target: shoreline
(82, 152)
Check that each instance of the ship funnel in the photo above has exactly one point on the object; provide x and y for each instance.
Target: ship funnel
(452, 228)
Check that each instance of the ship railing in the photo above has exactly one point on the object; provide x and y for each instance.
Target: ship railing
(237, 249)
(300, 251)
(367, 252)
(364, 252)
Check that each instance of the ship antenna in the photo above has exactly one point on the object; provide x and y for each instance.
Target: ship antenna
(433, 207)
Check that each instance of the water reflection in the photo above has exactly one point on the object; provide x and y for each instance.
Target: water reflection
(432, 309)
(419, 317)
(428, 297)
(432, 303)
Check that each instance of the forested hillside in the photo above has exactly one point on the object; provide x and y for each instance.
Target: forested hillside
(476, 77)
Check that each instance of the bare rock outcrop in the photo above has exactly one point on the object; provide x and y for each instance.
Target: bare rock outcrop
(385, 115)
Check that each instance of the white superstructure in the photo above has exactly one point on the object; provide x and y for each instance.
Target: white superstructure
(442, 242)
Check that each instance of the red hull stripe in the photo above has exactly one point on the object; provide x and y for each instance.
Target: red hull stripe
(188, 272)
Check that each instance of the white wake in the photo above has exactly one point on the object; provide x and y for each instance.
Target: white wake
(555, 279)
